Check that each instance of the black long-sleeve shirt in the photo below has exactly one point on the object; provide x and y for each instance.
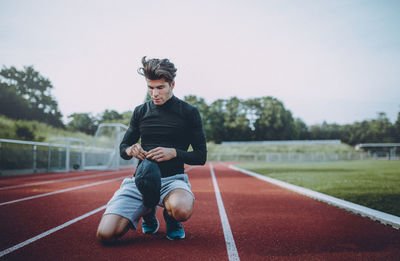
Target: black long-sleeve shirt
(175, 124)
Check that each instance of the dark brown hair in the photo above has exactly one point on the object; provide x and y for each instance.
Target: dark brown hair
(156, 69)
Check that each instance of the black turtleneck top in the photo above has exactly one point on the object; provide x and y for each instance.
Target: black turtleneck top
(175, 124)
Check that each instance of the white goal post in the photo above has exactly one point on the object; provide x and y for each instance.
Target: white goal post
(103, 153)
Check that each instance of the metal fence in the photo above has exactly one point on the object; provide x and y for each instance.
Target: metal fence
(280, 142)
(390, 151)
(289, 156)
(22, 157)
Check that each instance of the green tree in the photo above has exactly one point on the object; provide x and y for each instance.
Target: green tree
(24, 132)
(11, 104)
(242, 120)
(110, 116)
(381, 129)
(301, 130)
(236, 123)
(35, 90)
(396, 127)
(270, 119)
(199, 103)
(83, 122)
(204, 110)
(147, 97)
(216, 118)
(326, 131)
(126, 117)
(375, 130)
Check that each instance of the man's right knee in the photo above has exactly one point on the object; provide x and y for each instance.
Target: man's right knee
(104, 236)
(112, 227)
(107, 235)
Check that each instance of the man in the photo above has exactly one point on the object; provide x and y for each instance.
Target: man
(166, 127)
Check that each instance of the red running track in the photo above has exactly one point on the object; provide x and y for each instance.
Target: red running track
(267, 222)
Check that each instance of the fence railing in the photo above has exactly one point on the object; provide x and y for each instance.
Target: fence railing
(289, 156)
(21, 157)
(280, 142)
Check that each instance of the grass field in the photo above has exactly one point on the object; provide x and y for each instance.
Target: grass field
(375, 184)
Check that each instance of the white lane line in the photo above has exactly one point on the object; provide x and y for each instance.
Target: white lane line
(48, 232)
(230, 242)
(59, 180)
(61, 191)
(187, 170)
(373, 214)
(33, 176)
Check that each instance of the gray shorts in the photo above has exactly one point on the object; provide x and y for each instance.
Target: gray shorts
(128, 202)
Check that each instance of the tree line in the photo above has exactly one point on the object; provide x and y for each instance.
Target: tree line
(25, 94)
(266, 118)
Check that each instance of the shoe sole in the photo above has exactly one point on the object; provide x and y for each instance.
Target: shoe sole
(176, 238)
(155, 231)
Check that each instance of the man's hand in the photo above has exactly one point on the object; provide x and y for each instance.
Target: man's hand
(161, 154)
(136, 151)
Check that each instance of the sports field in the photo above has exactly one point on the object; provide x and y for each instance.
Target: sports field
(54, 216)
(375, 184)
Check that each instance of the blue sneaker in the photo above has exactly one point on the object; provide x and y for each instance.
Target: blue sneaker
(150, 224)
(174, 228)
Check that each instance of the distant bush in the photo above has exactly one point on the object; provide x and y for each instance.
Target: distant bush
(25, 133)
(7, 128)
(35, 131)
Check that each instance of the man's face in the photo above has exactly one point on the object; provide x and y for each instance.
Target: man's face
(160, 90)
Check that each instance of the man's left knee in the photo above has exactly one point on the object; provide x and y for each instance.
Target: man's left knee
(179, 205)
(182, 213)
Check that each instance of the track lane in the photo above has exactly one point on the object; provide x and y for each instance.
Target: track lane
(35, 177)
(21, 193)
(204, 236)
(269, 222)
(25, 219)
(49, 181)
(282, 226)
(233, 254)
(49, 232)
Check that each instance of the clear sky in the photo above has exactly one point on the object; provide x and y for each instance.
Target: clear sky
(337, 61)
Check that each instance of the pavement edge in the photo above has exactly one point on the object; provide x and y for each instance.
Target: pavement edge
(382, 217)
